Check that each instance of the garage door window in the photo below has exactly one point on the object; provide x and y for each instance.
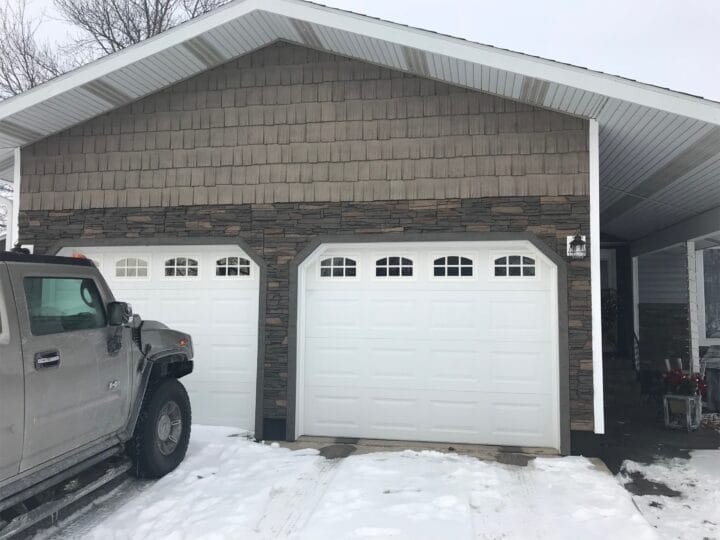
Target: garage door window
(334, 267)
(514, 266)
(232, 267)
(131, 267)
(181, 267)
(394, 267)
(453, 266)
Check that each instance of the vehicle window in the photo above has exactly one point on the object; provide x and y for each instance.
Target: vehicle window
(58, 305)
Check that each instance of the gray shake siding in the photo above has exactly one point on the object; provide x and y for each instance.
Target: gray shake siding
(287, 144)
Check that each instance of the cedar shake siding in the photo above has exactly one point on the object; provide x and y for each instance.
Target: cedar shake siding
(286, 144)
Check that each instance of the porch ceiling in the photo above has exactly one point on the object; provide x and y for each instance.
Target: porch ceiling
(659, 149)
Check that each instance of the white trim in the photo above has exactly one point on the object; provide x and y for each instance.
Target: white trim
(601, 83)
(693, 307)
(13, 230)
(636, 297)
(595, 279)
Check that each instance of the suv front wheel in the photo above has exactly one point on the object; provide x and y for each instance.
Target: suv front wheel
(162, 431)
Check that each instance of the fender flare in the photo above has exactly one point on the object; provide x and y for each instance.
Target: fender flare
(153, 367)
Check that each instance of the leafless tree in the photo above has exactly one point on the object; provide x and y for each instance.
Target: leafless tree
(105, 26)
(25, 61)
(111, 25)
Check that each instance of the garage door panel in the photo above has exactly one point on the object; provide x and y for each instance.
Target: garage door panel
(333, 363)
(520, 371)
(392, 315)
(235, 360)
(523, 420)
(430, 359)
(393, 365)
(332, 411)
(519, 318)
(458, 367)
(329, 314)
(220, 313)
(235, 315)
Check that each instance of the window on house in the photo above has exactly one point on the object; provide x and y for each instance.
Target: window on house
(181, 267)
(232, 267)
(514, 266)
(453, 266)
(711, 290)
(338, 267)
(394, 267)
(131, 267)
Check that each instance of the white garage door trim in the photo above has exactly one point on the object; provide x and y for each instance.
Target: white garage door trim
(206, 251)
(559, 379)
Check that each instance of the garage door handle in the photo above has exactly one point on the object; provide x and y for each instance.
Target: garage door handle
(46, 360)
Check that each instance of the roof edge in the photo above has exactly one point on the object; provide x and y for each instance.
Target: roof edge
(612, 86)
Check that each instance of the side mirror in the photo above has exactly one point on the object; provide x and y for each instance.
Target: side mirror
(119, 313)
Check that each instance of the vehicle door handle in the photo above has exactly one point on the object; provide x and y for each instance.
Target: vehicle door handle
(47, 359)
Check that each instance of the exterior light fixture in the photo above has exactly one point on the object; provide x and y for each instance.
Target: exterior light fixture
(577, 246)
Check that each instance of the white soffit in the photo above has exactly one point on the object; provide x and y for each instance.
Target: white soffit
(648, 134)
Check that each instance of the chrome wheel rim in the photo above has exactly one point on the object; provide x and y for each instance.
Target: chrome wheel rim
(169, 428)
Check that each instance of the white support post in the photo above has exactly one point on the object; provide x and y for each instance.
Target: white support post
(636, 309)
(595, 293)
(13, 228)
(693, 307)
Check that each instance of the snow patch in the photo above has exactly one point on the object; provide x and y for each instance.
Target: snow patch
(696, 513)
(229, 487)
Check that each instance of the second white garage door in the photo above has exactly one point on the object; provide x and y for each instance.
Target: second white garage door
(210, 292)
(451, 342)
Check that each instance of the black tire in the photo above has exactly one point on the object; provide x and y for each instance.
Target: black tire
(153, 449)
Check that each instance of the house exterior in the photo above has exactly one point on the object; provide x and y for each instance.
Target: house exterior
(362, 245)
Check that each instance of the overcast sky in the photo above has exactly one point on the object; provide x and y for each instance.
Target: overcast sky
(670, 43)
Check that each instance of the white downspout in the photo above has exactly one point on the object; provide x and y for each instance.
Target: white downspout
(596, 299)
(13, 228)
(693, 307)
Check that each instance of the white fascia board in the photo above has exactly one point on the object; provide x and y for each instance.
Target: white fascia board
(108, 64)
(600, 83)
(595, 277)
(592, 81)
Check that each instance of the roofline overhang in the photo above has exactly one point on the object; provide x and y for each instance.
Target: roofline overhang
(611, 86)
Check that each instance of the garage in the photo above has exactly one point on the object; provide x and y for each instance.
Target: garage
(429, 341)
(211, 292)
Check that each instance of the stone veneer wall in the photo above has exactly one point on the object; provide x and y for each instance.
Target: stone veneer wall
(279, 231)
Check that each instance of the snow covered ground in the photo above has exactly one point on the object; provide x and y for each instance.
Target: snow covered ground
(228, 487)
(696, 512)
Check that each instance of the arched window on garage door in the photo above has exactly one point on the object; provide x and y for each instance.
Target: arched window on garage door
(232, 267)
(453, 266)
(181, 267)
(338, 267)
(131, 267)
(394, 267)
(514, 266)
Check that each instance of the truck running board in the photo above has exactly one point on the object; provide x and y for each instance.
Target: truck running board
(105, 473)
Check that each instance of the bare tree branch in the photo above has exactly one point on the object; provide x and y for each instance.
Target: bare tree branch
(106, 26)
(25, 62)
(112, 25)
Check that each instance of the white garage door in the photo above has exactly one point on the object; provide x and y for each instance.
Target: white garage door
(210, 292)
(452, 342)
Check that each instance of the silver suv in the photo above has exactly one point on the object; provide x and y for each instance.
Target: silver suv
(81, 380)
